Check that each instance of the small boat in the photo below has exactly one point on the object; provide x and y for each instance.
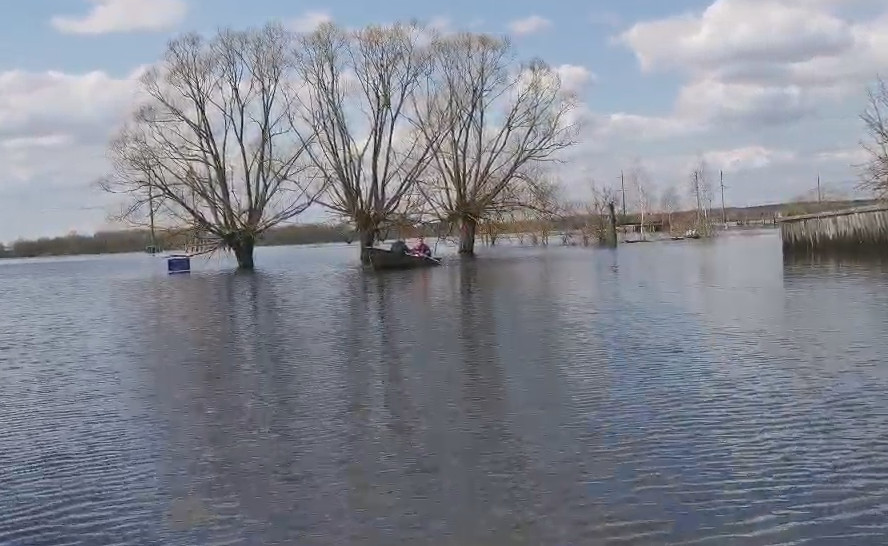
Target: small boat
(381, 258)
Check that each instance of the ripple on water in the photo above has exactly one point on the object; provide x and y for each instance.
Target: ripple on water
(663, 394)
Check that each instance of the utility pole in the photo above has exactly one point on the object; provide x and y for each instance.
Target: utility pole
(151, 218)
(721, 176)
(819, 194)
(623, 189)
(697, 194)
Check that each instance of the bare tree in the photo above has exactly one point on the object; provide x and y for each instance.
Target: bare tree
(543, 206)
(701, 193)
(497, 122)
(639, 182)
(211, 147)
(670, 202)
(599, 208)
(875, 117)
(361, 88)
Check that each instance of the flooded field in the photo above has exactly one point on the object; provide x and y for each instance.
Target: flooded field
(667, 393)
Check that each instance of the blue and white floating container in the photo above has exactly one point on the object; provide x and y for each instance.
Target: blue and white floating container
(178, 263)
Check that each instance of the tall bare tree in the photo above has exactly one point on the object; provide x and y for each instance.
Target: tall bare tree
(360, 90)
(542, 206)
(875, 117)
(601, 220)
(497, 122)
(701, 193)
(640, 187)
(211, 147)
(670, 202)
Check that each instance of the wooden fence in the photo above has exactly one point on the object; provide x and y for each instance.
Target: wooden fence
(849, 230)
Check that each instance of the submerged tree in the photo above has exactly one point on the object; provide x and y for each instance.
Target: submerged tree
(536, 208)
(875, 117)
(212, 145)
(670, 202)
(360, 90)
(496, 122)
(640, 187)
(701, 193)
(601, 216)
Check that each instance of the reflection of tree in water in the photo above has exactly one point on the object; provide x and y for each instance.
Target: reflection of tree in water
(548, 340)
(384, 457)
(491, 483)
(244, 404)
(389, 406)
(218, 417)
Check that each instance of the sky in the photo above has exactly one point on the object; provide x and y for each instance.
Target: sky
(767, 91)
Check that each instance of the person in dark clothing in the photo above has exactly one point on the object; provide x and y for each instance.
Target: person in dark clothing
(399, 247)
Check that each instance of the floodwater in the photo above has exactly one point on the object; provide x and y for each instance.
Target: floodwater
(666, 393)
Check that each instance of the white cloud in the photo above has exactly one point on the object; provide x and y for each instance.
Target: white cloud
(747, 158)
(107, 16)
(52, 140)
(37, 103)
(574, 78)
(55, 126)
(711, 100)
(530, 25)
(763, 61)
(849, 156)
(622, 126)
(54, 132)
(309, 21)
(740, 31)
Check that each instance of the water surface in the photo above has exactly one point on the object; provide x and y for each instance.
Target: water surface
(666, 393)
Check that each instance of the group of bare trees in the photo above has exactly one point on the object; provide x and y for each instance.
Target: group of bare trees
(875, 118)
(637, 195)
(245, 130)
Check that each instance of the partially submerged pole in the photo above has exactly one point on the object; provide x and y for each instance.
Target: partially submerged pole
(151, 218)
(697, 195)
(612, 226)
(623, 189)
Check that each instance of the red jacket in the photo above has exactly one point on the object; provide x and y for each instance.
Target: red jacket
(423, 249)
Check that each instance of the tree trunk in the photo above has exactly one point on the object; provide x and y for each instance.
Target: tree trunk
(368, 239)
(467, 228)
(242, 245)
(612, 226)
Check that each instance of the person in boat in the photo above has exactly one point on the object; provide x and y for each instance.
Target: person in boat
(422, 249)
(399, 247)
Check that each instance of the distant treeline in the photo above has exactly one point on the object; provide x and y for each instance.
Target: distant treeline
(115, 242)
(137, 240)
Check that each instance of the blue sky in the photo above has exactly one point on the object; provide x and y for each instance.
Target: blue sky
(767, 90)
